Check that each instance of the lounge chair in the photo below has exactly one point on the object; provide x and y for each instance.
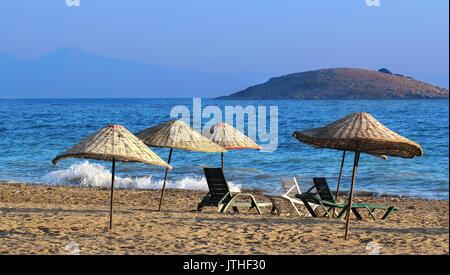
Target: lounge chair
(287, 191)
(324, 197)
(220, 196)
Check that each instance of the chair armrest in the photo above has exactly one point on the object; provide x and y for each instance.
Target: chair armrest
(309, 190)
(278, 190)
(273, 194)
(308, 196)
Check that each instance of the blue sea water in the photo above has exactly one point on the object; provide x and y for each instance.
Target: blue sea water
(34, 131)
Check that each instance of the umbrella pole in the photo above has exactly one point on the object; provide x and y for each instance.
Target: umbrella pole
(349, 203)
(112, 192)
(222, 159)
(340, 175)
(165, 180)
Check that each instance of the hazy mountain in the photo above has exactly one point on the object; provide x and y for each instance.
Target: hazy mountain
(341, 83)
(71, 72)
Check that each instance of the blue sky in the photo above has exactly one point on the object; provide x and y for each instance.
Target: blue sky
(271, 37)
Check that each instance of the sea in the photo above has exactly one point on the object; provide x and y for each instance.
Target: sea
(34, 131)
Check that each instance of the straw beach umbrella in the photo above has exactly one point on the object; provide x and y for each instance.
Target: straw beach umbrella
(360, 133)
(175, 134)
(112, 143)
(230, 138)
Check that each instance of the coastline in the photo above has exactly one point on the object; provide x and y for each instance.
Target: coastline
(44, 219)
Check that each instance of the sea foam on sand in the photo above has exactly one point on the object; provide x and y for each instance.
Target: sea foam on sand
(95, 175)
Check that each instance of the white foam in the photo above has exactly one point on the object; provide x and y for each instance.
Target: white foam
(95, 175)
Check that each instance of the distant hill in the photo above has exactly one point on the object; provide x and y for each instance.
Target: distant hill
(341, 83)
(72, 72)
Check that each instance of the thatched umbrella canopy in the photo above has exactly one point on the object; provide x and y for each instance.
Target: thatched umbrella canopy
(175, 134)
(112, 143)
(230, 138)
(361, 133)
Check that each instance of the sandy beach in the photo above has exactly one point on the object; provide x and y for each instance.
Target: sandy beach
(44, 219)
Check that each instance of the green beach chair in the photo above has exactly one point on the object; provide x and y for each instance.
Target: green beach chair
(324, 197)
(219, 194)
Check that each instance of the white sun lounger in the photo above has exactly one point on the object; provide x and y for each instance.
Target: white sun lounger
(287, 191)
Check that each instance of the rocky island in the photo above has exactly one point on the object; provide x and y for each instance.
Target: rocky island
(341, 83)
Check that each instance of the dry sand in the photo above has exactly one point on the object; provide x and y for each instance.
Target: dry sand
(43, 219)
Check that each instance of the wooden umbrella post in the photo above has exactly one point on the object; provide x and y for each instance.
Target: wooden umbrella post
(222, 160)
(165, 180)
(350, 198)
(112, 192)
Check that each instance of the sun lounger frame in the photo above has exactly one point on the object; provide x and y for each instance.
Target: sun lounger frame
(289, 187)
(219, 194)
(324, 197)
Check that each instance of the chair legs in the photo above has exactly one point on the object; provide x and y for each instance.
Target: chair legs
(344, 210)
(231, 202)
(310, 209)
(355, 211)
(371, 213)
(296, 210)
(388, 212)
(276, 207)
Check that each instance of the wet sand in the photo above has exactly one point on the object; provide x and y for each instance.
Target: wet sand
(44, 219)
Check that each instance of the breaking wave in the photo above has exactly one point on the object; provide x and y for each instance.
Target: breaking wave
(87, 174)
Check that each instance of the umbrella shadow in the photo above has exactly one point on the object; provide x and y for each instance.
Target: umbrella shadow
(251, 218)
(46, 210)
(414, 230)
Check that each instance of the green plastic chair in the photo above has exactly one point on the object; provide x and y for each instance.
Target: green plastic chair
(219, 194)
(324, 197)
